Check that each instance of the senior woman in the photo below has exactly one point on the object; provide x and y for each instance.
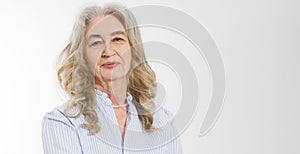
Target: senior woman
(110, 89)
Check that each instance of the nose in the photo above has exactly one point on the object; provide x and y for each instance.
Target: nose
(108, 51)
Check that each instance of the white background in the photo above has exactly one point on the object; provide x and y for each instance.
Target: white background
(258, 41)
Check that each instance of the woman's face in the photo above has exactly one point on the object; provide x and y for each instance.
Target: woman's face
(107, 48)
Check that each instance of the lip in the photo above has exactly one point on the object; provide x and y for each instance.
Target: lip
(110, 65)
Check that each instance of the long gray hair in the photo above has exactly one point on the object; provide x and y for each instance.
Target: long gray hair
(77, 80)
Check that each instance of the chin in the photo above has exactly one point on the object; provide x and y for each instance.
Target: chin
(113, 77)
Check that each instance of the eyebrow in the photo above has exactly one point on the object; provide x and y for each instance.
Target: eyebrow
(118, 32)
(111, 34)
(94, 35)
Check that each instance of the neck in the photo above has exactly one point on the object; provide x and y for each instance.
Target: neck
(116, 90)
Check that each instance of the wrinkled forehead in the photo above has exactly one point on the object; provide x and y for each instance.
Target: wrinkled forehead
(104, 25)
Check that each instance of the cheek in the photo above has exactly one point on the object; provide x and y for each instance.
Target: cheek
(128, 60)
(126, 56)
(92, 59)
(125, 50)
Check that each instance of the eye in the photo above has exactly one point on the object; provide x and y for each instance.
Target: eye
(96, 43)
(118, 39)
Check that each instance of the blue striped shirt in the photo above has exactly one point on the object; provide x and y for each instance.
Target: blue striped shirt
(61, 134)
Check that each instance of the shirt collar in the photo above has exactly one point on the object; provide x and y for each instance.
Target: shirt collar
(104, 96)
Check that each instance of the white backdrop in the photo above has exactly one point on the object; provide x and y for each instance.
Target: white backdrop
(258, 41)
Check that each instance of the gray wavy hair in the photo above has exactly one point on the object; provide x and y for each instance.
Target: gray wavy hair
(77, 80)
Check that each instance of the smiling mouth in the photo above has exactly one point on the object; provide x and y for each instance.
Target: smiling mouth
(110, 65)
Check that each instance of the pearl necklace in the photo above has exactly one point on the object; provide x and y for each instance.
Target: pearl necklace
(119, 106)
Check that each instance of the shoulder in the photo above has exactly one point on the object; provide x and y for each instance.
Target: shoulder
(162, 117)
(59, 132)
(57, 115)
